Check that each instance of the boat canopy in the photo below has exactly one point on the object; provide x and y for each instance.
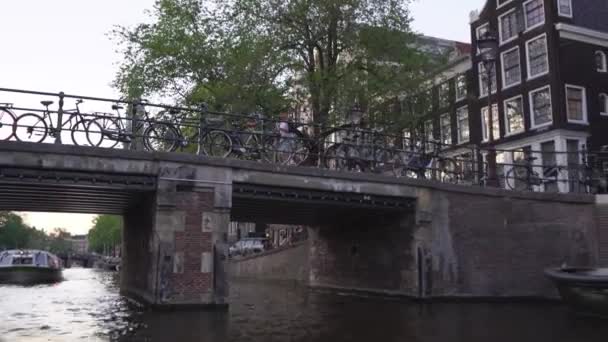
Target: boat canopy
(28, 258)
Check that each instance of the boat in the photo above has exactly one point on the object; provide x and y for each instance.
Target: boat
(29, 267)
(583, 289)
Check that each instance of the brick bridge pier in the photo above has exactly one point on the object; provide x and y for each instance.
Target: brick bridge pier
(369, 232)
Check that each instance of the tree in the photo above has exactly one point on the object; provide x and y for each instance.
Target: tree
(245, 55)
(13, 231)
(59, 241)
(106, 233)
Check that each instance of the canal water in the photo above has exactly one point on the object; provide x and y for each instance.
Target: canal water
(87, 307)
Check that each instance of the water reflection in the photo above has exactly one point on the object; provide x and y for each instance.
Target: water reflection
(87, 307)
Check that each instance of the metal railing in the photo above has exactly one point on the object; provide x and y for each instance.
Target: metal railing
(141, 125)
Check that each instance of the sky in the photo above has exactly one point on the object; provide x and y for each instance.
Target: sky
(63, 45)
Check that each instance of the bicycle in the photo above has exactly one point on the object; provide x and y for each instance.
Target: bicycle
(422, 165)
(522, 176)
(31, 127)
(7, 121)
(358, 151)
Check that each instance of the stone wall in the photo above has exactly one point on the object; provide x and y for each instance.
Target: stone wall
(289, 263)
(459, 244)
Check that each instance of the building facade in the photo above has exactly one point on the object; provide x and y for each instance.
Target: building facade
(549, 86)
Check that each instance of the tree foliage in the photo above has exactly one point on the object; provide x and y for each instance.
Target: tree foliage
(106, 233)
(15, 234)
(246, 55)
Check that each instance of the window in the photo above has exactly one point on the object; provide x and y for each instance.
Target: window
(444, 94)
(576, 104)
(534, 10)
(511, 68)
(483, 79)
(485, 123)
(508, 26)
(549, 161)
(428, 131)
(514, 115)
(461, 87)
(600, 61)
(540, 107)
(603, 104)
(446, 129)
(480, 31)
(462, 124)
(538, 62)
(564, 8)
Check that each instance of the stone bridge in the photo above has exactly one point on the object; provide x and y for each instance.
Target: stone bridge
(368, 232)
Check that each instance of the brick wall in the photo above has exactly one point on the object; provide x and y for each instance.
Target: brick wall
(192, 264)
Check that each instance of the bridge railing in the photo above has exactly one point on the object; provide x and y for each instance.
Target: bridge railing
(44, 117)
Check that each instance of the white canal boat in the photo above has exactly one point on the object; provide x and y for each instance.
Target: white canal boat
(29, 267)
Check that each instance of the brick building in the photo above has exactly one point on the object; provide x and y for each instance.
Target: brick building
(549, 86)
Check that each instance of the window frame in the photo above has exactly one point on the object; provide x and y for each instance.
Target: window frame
(528, 74)
(500, 5)
(458, 126)
(466, 91)
(483, 124)
(559, 12)
(585, 120)
(443, 95)
(533, 124)
(529, 28)
(441, 129)
(605, 96)
(477, 35)
(503, 71)
(508, 131)
(482, 90)
(426, 131)
(604, 61)
(500, 37)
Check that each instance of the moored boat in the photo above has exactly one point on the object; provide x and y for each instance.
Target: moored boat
(583, 289)
(29, 267)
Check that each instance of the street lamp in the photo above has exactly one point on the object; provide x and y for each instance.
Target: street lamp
(488, 47)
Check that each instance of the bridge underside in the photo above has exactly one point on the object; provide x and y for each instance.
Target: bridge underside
(255, 203)
(71, 192)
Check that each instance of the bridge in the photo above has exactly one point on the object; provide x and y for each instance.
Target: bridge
(368, 231)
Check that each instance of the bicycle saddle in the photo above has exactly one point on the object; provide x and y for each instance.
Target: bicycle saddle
(46, 103)
(117, 107)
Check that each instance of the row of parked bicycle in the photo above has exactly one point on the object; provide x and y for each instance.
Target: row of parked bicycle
(348, 147)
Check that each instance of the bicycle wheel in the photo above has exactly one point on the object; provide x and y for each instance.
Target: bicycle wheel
(109, 130)
(161, 137)
(7, 122)
(448, 171)
(216, 144)
(335, 157)
(260, 148)
(87, 133)
(30, 127)
(516, 178)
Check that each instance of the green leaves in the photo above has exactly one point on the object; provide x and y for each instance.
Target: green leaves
(250, 55)
(106, 233)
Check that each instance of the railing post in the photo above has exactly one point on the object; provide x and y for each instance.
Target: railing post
(201, 128)
(135, 125)
(59, 118)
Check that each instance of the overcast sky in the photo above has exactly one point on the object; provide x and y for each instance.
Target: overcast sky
(62, 45)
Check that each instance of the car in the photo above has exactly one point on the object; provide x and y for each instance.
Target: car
(248, 246)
